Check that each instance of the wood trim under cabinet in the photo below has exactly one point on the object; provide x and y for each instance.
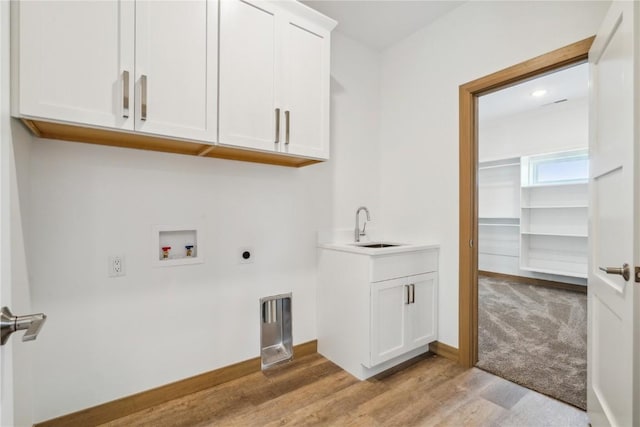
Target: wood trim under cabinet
(73, 133)
(468, 213)
(444, 350)
(534, 281)
(119, 408)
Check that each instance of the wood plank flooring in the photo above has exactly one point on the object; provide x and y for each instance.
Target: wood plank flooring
(312, 391)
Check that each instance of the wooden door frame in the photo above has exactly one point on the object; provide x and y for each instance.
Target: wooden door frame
(469, 93)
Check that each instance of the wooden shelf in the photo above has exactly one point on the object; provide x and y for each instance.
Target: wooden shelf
(498, 166)
(556, 207)
(499, 163)
(531, 233)
(567, 184)
(114, 138)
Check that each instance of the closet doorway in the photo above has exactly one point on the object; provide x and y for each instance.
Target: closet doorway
(532, 233)
(469, 93)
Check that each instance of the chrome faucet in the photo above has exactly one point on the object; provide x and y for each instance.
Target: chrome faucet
(357, 232)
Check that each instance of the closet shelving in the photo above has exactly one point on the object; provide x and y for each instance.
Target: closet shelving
(499, 216)
(554, 218)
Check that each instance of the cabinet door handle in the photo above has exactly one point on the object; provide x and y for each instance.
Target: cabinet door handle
(413, 293)
(143, 97)
(277, 125)
(408, 294)
(287, 117)
(125, 94)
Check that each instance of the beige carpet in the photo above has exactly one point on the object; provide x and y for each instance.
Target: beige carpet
(535, 337)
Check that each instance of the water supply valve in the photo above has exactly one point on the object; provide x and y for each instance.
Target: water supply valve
(165, 251)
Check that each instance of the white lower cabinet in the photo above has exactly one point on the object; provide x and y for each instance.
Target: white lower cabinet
(376, 309)
(402, 316)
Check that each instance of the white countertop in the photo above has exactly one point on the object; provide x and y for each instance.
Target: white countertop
(353, 247)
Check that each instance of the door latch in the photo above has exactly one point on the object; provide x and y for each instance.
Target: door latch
(637, 274)
(10, 324)
(624, 271)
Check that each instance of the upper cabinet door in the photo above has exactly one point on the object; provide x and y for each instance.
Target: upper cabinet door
(248, 69)
(176, 68)
(305, 85)
(73, 61)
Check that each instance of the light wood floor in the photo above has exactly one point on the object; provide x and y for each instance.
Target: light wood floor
(428, 391)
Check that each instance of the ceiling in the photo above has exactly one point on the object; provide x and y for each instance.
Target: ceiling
(379, 24)
(570, 84)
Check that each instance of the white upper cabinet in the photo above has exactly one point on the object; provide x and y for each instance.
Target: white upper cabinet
(149, 66)
(70, 60)
(305, 88)
(176, 68)
(248, 74)
(236, 79)
(274, 77)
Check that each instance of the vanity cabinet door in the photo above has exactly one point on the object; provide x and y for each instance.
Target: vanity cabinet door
(422, 313)
(73, 61)
(389, 300)
(403, 316)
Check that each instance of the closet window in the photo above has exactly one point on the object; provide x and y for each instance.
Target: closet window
(560, 168)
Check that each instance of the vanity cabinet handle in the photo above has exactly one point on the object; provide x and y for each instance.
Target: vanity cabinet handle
(143, 96)
(277, 125)
(413, 293)
(125, 94)
(408, 294)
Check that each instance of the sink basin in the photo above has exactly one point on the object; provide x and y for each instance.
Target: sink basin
(376, 245)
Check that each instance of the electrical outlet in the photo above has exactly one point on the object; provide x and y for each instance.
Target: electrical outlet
(116, 266)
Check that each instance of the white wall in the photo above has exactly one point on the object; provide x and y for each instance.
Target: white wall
(355, 106)
(106, 338)
(553, 128)
(419, 113)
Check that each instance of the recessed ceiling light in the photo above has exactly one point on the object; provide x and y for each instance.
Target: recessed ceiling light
(538, 93)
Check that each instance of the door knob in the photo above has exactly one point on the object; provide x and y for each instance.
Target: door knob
(623, 271)
(10, 323)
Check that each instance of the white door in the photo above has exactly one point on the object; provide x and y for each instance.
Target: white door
(613, 397)
(176, 68)
(6, 360)
(74, 57)
(248, 70)
(306, 89)
(389, 300)
(423, 316)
